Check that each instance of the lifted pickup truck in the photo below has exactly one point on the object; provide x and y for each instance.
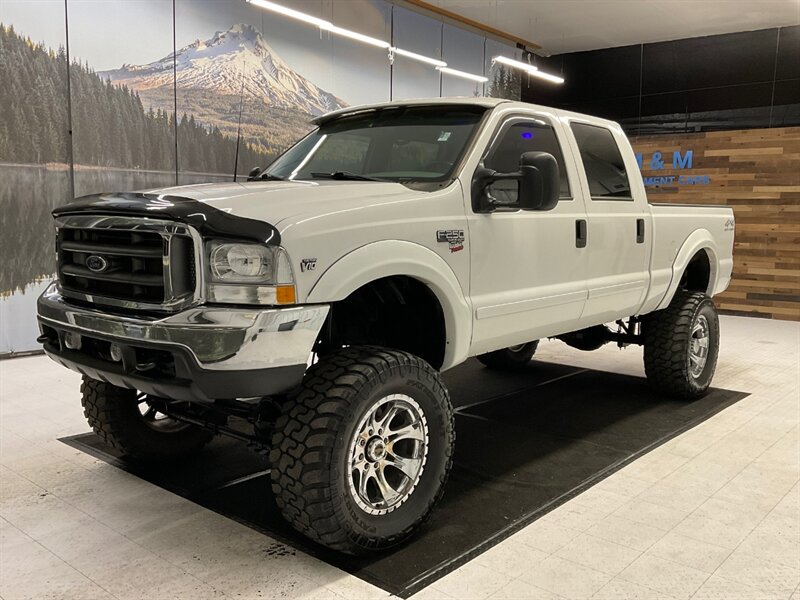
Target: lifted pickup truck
(311, 309)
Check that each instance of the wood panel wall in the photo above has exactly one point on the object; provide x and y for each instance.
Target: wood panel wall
(757, 172)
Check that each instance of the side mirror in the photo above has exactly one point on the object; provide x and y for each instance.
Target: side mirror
(537, 185)
(540, 183)
(254, 173)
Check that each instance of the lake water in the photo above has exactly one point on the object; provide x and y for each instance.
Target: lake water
(18, 326)
(27, 246)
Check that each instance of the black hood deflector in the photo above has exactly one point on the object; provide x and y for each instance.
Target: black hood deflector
(209, 221)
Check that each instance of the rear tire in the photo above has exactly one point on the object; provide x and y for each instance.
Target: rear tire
(336, 433)
(511, 358)
(125, 420)
(681, 346)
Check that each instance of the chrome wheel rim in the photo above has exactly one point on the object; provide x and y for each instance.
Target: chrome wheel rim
(698, 346)
(517, 348)
(387, 454)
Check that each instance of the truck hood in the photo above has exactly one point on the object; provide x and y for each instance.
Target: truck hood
(282, 202)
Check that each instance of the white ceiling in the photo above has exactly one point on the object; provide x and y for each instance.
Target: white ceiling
(571, 25)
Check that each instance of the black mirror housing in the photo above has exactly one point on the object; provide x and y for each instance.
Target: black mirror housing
(539, 182)
(254, 173)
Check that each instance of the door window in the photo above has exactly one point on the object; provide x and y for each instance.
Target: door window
(516, 137)
(602, 161)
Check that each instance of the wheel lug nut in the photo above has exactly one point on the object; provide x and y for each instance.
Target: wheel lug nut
(371, 432)
(380, 431)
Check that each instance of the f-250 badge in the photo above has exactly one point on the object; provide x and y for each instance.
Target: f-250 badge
(453, 237)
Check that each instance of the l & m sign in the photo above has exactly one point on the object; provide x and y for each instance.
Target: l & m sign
(680, 162)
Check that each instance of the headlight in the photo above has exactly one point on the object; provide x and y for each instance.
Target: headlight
(249, 274)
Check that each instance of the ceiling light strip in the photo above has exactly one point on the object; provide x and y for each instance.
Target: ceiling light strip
(548, 77)
(354, 35)
(463, 74)
(360, 37)
(290, 12)
(529, 69)
(515, 63)
(413, 55)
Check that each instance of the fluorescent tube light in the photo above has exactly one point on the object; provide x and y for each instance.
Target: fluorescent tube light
(529, 69)
(547, 76)
(290, 12)
(321, 23)
(462, 74)
(353, 35)
(515, 63)
(413, 55)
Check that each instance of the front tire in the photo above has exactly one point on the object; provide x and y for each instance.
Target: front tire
(511, 358)
(362, 449)
(681, 346)
(129, 422)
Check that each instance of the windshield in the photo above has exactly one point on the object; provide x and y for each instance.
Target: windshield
(396, 144)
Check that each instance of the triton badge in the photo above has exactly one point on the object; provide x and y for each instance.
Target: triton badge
(453, 237)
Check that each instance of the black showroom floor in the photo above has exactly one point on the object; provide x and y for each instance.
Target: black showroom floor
(527, 443)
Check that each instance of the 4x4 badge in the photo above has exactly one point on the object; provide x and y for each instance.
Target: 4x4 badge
(453, 237)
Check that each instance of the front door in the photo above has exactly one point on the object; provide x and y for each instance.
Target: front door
(528, 274)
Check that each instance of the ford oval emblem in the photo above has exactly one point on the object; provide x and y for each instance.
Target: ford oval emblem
(97, 264)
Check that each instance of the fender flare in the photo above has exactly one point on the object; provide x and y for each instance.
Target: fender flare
(700, 239)
(394, 257)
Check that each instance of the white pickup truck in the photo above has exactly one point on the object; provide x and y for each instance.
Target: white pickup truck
(311, 309)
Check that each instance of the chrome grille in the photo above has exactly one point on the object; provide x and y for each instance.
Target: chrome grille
(128, 262)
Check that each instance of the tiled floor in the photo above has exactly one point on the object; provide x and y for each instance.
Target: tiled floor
(712, 514)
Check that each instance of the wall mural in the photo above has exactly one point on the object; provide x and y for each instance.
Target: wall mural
(239, 76)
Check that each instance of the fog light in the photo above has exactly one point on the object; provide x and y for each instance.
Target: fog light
(116, 352)
(72, 340)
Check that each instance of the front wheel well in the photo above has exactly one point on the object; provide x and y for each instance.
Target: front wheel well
(397, 312)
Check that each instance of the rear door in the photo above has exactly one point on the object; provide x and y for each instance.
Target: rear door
(618, 236)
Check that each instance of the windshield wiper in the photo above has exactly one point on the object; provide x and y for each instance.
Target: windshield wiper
(345, 176)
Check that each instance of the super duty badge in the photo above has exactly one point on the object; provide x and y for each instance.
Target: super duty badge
(453, 237)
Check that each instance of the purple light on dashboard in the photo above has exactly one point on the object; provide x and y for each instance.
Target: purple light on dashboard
(526, 135)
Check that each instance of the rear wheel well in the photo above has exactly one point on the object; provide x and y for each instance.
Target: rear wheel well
(697, 274)
(396, 312)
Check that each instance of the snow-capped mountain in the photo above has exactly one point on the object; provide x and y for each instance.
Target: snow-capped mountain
(231, 61)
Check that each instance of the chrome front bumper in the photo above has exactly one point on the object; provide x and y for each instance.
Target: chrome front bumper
(243, 350)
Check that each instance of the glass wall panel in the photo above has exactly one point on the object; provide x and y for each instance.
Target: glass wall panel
(504, 82)
(34, 159)
(462, 50)
(423, 35)
(122, 94)
(360, 71)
